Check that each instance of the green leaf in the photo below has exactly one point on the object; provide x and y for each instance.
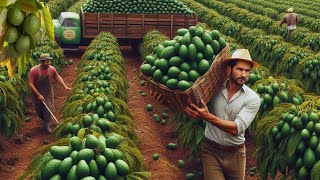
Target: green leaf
(70, 108)
(47, 19)
(7, 120)
(13, 117)
(199, 135)
(29, 5)
(133, 157)
(315, 171)
(274, 165)
(6, 3)
(139, 175)
(20, 63)
(36, 164)
(2, 36)
(26, 60)
(7, 61)
(282, 164)
(292, 143)
(46, 148)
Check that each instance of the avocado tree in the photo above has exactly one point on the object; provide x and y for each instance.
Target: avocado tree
(287, 140)
(22, 24)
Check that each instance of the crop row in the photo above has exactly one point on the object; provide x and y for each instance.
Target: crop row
(96, 135)
(310, 21)
(302, 38)
(309, 10)
(258, 9)
(281, 8)
(268, 49)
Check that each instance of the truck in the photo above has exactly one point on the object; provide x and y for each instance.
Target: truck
(73, 30)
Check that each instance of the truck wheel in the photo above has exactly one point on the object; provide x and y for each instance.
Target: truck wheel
(57, 39)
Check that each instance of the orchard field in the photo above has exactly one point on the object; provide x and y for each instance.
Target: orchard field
(109, 125)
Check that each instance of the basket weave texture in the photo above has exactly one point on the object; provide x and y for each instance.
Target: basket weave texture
(203, 89)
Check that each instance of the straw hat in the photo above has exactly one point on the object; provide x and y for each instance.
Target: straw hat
(290, 10)
(45, 56)
(242, 55)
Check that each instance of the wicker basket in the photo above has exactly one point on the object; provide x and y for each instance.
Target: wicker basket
(204, 88)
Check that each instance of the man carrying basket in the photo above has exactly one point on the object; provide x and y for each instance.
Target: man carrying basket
(227, 115)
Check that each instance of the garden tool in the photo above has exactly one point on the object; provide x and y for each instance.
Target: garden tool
(50, 112)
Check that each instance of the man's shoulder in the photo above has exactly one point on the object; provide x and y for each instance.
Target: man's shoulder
(251, 93)
(292, 15)
(33, 74)
(52, 69)
(34, 69)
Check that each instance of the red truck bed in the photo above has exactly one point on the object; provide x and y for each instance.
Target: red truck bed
(134, 26)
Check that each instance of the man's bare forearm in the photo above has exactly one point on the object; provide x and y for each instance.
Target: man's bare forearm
(34, 89)
(61, 82)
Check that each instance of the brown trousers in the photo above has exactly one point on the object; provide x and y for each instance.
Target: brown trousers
(221, 165)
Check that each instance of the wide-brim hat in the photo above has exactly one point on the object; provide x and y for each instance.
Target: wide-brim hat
(45, 56)
(242, 55)
(290, 10)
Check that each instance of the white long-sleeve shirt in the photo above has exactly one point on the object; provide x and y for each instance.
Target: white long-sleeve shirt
(241, 108)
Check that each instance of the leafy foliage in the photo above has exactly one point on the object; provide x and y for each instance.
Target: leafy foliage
(315, 171)
(11, 108)
(292, 144)
(190, 133)
(150, 41)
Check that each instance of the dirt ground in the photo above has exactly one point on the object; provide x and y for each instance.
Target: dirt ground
(16, 153)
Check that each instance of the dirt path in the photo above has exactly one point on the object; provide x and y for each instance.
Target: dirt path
(153, 136)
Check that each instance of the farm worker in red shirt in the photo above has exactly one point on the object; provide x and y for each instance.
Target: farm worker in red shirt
(227, 115)
(291, 19)
(41, 78)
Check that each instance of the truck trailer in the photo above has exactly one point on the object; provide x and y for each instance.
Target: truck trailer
(73, 30)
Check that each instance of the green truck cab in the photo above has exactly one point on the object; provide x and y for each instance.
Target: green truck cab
(67, 28)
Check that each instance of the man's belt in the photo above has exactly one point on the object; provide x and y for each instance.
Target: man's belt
(223, 147)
